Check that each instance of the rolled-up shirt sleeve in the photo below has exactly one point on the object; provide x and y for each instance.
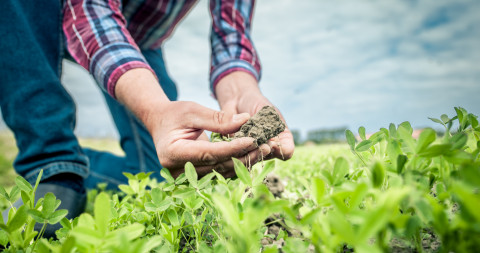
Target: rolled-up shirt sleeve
(97, 38)
(232, 46)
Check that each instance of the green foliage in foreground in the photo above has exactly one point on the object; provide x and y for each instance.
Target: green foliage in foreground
(390, 192)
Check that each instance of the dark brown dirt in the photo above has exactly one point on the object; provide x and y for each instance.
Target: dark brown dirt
(274, 184)
(262, 126)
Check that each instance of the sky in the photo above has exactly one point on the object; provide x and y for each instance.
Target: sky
(330, 64)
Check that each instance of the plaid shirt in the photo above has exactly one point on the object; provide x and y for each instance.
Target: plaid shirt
(105, 37)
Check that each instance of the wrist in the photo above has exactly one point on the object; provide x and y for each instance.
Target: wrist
(234, 86)
(139, 90)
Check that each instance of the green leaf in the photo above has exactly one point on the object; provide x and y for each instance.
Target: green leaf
(469, 200)
(363, 146)
(404, 131)
(444, 118)
(378, 174)
(197, 204)
(142, 175)
(87, 236)
(132, 231)
(183, 192)
(157, 195)
(3, 238)
(37, 215)
(401, 161)
(23, 184)
(205, 180)
(219, 177)
(393, 130)
(340, 169)
(318, 189)
(14, 194)
(473, 120)
(377, 137)
(66, 223)
(173, 217)
(19, 219)
(350, 139)
(459, 140)
(269, 167)
(129, 176)
(102, 212)
(375, 220)
(25, 198)
(458, 157)
(165, 173)
(49, 204)
(191, 174)
(188, 217)
(3, 193)
(180, 179)
(164, 205)
(56, 216)
(426, 138)
(126, 189)
(39, 177)
(242, 172)
(406, 125)
(151, 243)
(68, 245)
(462, 116)
(361, 132)
(436, 150)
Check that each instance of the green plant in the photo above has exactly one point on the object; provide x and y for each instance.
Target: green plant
(388, 192)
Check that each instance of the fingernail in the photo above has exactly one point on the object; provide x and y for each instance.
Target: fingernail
(240, 117)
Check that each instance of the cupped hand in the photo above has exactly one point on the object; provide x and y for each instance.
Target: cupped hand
(177, 128)
(237, 93)
(179, 138)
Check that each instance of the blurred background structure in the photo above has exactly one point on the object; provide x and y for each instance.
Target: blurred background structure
(330, 65)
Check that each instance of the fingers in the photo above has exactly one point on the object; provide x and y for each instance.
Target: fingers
(204, 152)
(200, 117)
(226, 168)
(282, 146)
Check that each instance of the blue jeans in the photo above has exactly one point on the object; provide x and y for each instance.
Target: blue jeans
(41, 114)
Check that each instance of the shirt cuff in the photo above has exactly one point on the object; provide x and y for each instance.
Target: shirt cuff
(220, 71)
(112, 61)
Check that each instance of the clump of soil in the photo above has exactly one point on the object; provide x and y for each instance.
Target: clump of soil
(274, 184)
(263, 126)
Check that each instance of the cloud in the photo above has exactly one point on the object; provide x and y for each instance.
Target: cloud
(337, 63)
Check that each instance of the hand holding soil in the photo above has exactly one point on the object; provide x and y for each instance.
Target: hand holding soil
(263, 126)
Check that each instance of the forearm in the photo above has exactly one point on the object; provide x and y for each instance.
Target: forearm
(139, 90)
(98, 40)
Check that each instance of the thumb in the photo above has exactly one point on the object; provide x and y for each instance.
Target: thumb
(218, 121)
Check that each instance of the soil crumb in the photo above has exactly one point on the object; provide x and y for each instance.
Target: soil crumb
(263, 126)
(274, 184)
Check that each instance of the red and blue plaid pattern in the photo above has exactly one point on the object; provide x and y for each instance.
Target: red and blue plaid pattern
(105, 37)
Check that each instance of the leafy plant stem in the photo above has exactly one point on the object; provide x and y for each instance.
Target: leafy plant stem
(418, 241)
(40, 234)
(356, 153)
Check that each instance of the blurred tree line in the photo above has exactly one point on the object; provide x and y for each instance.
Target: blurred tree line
(320, 136)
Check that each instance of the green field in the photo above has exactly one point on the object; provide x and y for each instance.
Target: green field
(8, 151)
(388, 193)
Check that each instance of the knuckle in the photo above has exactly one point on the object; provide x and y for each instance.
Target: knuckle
(218, 117)
(208, 159)
(220, 168)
